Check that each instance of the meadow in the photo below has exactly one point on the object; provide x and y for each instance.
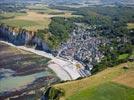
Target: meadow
(12, 14)
(123, 56)
(35, 17)
(111, 84)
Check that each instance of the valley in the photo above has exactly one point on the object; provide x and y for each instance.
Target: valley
(66, 50)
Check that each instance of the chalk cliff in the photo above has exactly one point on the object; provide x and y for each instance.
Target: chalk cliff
(22, 37)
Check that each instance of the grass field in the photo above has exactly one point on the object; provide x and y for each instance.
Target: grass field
(101, 86)
(37, 17)
(32, 20)
(130, 25)
(41, 8)
(13, 14)
(126, 79)
(107, 91)
(123, 56)
(19, 23)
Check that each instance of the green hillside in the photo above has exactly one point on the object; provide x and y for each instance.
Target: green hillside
(102, 85)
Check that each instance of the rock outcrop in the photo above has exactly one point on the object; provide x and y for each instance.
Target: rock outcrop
(22, 37)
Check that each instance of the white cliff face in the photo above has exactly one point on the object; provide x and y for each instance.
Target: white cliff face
(65, 69)
(22, 37)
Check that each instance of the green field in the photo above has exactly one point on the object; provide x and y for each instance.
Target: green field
(123, 56)
(13, 14)
(107, 91)
(27, 24)
(130, 25)
(101, 86)
(19, 23)
(37, 16)
(42, 8)
(31, 20)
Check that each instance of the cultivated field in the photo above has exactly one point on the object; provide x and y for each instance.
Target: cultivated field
(106, 85)
(36, 17)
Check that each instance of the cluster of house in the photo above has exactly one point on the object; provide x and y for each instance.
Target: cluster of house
(83, 47)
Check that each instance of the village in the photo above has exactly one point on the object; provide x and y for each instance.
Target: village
(83, 46)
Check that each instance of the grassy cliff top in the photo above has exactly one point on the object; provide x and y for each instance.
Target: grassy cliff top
(115, 83)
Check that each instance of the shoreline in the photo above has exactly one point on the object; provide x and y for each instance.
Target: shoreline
(66, 70)
(29, 89)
